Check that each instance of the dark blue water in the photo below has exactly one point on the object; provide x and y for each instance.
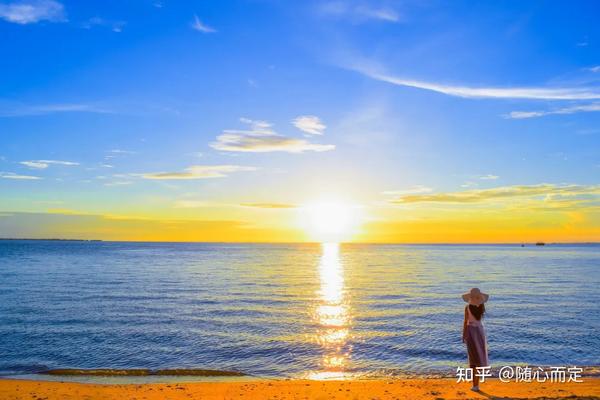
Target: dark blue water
(291, 310)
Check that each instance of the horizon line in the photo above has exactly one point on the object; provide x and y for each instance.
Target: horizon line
(308, 242)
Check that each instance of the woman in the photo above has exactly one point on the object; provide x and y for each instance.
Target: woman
(473, 332)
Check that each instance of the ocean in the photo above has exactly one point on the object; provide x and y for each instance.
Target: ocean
(292, 310)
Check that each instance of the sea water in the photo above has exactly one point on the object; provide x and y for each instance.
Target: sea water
(292, 310)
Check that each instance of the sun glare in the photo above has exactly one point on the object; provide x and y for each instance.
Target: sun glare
(331, 221)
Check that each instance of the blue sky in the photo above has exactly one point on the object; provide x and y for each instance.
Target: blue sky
(188, 110)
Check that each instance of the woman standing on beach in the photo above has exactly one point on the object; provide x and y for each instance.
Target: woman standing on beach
(474, 333)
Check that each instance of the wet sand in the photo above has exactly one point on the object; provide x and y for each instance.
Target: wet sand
(417, 389)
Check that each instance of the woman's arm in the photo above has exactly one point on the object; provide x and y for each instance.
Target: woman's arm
(464, 333)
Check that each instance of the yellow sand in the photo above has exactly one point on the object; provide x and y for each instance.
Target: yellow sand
(299, 389)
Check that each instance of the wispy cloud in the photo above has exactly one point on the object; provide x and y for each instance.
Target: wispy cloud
(561, 204)
(505, 192)
(248, 143)
(417, 189)
(118, 179)
(358, 11)
(310, 124)
(594, 69)
(11, 175)
(194, 204)
(589, 131)
(114, 153)
(488, 177)
(593, 107)
(261, 138)
(43, 164)
(540, 93)
(31, 12)
(20, 110)
(201, 27)
(269, 205)
(121, 151)
(199, 172)
(118, 183)
(115, 26)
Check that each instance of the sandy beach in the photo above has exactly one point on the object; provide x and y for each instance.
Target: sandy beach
(436, 389)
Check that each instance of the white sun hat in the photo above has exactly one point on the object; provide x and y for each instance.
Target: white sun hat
(475, 296)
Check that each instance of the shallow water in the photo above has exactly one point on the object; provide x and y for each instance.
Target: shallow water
(314, 311)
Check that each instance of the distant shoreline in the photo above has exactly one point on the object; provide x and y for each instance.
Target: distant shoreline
(54, 240)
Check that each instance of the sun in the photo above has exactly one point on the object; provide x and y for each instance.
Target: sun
(331, 221)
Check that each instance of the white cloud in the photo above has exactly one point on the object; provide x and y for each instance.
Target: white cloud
(43, 164)
(358, 11)
(34, 164)
(261, 138)
(541, 93)
(258, 126)
(11, 175)
(524, 114)
(199, 172)
(593, 107)
(30, 12)
(201, 27)
(309, 124)
(594, 69)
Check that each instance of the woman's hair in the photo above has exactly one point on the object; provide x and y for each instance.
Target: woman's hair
(477, 311)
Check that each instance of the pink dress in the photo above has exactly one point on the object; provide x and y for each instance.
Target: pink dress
(476, 342)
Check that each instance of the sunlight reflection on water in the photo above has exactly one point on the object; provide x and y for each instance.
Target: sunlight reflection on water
(332, 315)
